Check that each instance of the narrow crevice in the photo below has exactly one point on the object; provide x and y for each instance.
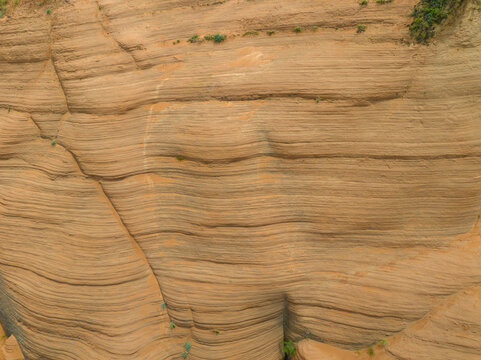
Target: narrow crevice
(109, 33)
(54, 66)
(116, 213)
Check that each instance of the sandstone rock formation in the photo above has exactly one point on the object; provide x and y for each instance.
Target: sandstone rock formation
(321, 184)
(9, 349)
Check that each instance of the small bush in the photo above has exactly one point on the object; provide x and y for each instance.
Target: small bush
(361, 28)
(180, 157)
(298, 29)
(383, 342)
(172, 325)
(383, 1)
(289, 348)
(270, 32)
(187, 346)
(363, 2)
(219, 38)
(53, 143)
(370, 351)
(48, 11)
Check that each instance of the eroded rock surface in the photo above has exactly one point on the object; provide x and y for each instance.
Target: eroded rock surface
(323, 184)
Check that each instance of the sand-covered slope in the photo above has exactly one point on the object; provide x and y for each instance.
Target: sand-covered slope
(321, 184)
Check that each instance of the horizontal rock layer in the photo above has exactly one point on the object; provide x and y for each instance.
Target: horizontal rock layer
(321, 184)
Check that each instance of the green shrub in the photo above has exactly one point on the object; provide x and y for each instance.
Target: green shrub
(427, 14)
(361, 28)
(383, 1)
(370, 351)
(383, 342)
(298, 29)
(289, 348)
(270, 32)
(180, 157)
(219, 38)
(363, 2)
(172, 325)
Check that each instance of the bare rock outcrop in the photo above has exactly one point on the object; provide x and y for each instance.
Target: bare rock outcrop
(161, 197)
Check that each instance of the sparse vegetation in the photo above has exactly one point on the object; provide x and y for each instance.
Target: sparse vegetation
(3, 7)
(179, 157)
(217, 332)
(217, 38)
(172, 325)
(48, 11)
(383, 342)
(363, 2)
(163, 305)
(427, 14)
(187, 347)
(251, 33)
(53, 143)
(361, 28)
(193, 38)
(289, 348)
(383, 1)
(298, 29)
(270, 32)
(370, 351)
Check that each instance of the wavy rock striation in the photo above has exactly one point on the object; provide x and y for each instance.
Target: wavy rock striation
(323, 184)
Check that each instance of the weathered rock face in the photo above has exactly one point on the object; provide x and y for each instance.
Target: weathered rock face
(322, 184)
